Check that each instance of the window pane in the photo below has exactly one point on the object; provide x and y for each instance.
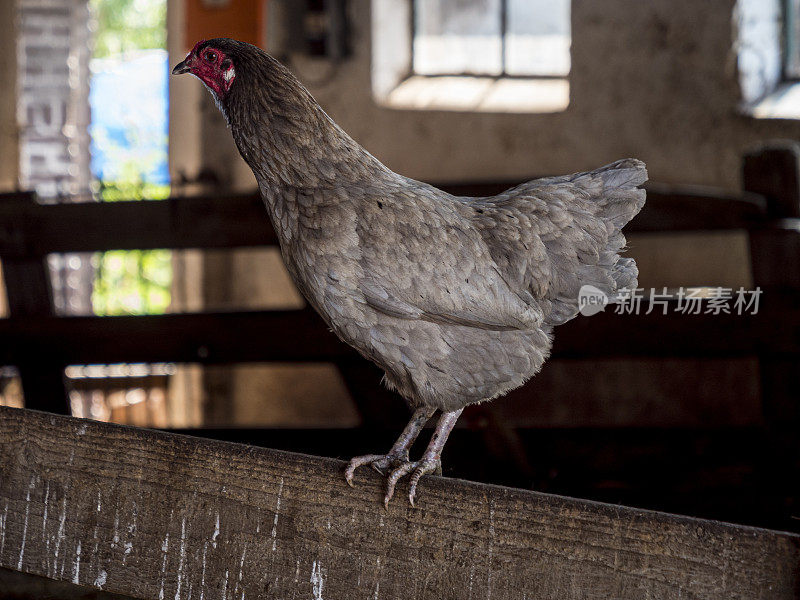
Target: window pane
(793, 39)
(457, 36)
(538, 37)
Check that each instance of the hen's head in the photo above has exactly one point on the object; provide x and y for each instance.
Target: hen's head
(277, 125)
(214, 63)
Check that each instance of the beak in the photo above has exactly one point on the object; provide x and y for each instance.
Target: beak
(181, 67)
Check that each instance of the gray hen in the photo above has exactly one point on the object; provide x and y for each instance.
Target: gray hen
(455, 298)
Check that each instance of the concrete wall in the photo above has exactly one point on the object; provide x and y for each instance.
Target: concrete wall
(656, 80)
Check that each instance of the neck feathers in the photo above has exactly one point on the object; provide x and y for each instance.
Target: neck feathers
(283, 134)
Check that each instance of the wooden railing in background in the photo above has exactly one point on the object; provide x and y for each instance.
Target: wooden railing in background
(42, 344)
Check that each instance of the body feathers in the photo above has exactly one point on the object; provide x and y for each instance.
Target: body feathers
(455, 298)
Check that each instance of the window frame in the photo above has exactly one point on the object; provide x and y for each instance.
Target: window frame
(503, 61)
(395, 86)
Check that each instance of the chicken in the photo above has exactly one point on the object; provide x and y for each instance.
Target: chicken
(454, 298)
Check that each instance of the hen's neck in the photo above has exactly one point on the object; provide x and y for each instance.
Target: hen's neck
(289, 141)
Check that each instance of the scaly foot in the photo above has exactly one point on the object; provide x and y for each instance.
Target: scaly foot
(418, 468)
(382, 463)
(397, 458)
(398, 455)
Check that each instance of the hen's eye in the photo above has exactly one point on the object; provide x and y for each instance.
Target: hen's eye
(210, 56)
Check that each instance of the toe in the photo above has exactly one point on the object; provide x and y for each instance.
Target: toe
(349, 472)
(383, 465)
(424, 467)
(394, 477)
(359, 461)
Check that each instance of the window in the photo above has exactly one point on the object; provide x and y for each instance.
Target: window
(472, 55)
(500, 38)
(768, 45)
(791, 15)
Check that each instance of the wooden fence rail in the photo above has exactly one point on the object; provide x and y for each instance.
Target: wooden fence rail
(156, 515)
(40, 344)
(29, 230)
(230, 337)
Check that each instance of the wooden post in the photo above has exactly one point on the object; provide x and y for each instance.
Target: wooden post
(155, 515)
(29, 293)
(773, 170)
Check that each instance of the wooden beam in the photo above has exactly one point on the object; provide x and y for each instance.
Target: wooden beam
(775, 254)
(155, 515)
(30, 295)
(212, 338)
(229, 221)
(302, 336)
(28, 229)
(696, 208)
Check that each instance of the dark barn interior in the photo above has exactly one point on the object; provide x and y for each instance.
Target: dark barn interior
(142, 285)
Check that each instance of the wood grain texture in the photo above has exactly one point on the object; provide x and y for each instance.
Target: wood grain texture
(156, 515)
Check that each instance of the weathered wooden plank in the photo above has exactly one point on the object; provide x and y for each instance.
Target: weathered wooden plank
(155, 515)
(735, 474)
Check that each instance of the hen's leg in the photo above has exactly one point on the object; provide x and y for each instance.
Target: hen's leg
(399, 453)
(430, 462)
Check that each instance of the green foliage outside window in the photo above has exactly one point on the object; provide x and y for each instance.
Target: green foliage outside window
(137, 281)
(125, 25)
(132, 281)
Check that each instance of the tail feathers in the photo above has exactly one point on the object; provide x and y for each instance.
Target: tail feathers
(621, 199)
(614, 199)
(625, 274)
(550, 237)
(625, 173)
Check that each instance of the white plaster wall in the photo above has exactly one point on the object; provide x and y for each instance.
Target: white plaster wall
(655, 79)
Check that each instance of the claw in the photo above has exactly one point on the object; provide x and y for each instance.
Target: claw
(380, 462)
(359, 461)
(424, 467)
(394, 477)
(397, 458)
